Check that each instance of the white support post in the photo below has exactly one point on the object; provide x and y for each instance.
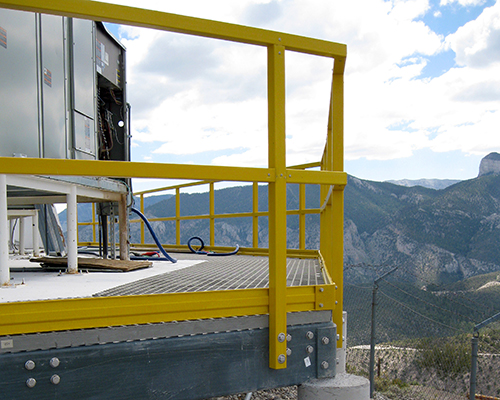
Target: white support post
(4, 234)
(36, 234)
(72, 234)
(123, 227)
(22, 244)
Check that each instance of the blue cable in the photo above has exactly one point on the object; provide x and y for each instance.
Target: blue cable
(162, 250)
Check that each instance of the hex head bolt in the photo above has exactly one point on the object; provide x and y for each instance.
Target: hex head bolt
(31, 382)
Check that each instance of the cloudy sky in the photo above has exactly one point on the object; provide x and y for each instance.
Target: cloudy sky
(422, 85)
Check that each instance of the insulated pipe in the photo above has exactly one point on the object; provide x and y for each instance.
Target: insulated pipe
(72, 227)
(4, 234)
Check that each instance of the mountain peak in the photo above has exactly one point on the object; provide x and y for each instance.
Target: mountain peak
(490, 164)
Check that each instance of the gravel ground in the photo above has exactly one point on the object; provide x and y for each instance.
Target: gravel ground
(285, 393)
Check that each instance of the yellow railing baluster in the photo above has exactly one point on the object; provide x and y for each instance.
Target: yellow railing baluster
(255, 217)
(93, 223)
(302, 216)
(212, 213)
(177, 216)
(143, 240)
(277, 206)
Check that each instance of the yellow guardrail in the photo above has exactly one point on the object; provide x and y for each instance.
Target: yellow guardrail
(25, 317)
(302, 211)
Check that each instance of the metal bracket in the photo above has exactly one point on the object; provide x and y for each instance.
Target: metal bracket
(326, 356)
(325, 297)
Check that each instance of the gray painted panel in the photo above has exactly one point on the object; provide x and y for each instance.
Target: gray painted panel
(177, 368)
(83, 66)
(109, 59)
(84, 137)
(18, 84)
(53, 87)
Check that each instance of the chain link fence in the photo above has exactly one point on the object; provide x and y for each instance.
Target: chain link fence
(423, 335)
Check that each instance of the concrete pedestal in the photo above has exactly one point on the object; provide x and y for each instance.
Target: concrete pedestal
(342, 387)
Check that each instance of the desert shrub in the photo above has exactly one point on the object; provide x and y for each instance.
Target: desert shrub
(447, 356)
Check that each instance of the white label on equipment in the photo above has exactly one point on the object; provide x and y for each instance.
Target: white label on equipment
(7, 344)
(307, 362)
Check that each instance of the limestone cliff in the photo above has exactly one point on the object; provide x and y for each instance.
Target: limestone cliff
(490, 164)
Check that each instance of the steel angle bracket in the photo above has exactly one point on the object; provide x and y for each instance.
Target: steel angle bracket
(325, 297)
(326, 356)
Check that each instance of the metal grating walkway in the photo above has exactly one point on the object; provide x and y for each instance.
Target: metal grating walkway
(221, 273)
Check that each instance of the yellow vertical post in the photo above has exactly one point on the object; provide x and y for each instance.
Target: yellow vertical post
(143, 240)
(93, 224)
(277, 207)
(302, 216)
(177, 216)
(255, 219)
(77, 226)
(332, 216)
(212, 213)
(337, 132)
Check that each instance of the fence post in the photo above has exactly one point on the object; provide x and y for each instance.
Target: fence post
(473, 369)
(475, 342)
(372, 338)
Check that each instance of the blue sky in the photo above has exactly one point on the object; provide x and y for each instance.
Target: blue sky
(422, 86)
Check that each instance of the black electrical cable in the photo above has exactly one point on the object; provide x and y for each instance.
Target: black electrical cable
(160, 247)
(209, 253)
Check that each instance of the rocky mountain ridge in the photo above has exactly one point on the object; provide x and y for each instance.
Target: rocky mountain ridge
(490, 164)
(440, 236)
(443, 235)
(427, 183)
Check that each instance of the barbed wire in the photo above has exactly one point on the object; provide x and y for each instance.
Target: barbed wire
(479, 308)
(422, 315)
(427, 302)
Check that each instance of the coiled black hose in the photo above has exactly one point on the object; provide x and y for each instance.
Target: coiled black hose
(209, 253)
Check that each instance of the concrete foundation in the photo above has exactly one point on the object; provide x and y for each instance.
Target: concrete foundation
(342, 387)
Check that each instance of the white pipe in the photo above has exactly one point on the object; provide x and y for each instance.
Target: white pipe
(22, 244)
(123, 227)
(72, 234)
(4, 233)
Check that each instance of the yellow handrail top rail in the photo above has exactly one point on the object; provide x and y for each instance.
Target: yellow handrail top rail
(181, 24)
(127, 169)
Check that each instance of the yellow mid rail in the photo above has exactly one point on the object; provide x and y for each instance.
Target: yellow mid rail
(51, 315)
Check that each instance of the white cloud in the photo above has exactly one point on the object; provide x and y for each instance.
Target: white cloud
(193, 95)
(463, 3)
(477, 43)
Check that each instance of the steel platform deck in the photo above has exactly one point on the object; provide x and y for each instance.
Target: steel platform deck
(220, 273)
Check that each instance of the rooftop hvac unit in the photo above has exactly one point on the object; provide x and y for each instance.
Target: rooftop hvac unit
(62, 89)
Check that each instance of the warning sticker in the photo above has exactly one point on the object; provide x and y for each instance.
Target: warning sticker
(101, 56)
(3, 37)
(47, 77)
